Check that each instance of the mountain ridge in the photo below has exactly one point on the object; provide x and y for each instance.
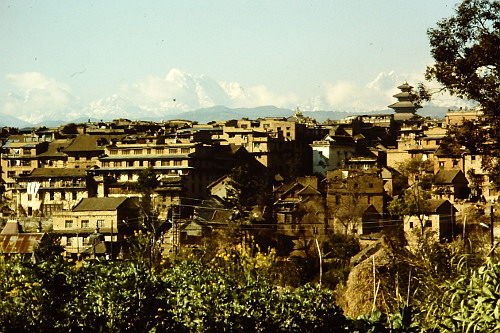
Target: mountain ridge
(220, 113)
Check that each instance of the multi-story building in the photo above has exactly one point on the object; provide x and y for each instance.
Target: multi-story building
(20, 158)
(109, 218)
(355, 200)
(46, 191)
(84, 151)
(183, 168)
(331, 153)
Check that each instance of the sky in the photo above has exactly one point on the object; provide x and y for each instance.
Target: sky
(325, 54)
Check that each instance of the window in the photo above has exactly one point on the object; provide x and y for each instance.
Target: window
(100, 223)
(69, 241)
(130, 163)
(159, 151)
(138, 152)
(411, 225)
(113, 152)
(428, 223)
(85, 224)
(256, 145)
(178, 163)
(172, 151)
(51, 196)
(68, 224)
(185, 150)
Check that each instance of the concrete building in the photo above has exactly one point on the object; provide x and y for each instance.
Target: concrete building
(331, 153)
(111, 218)
(46, 191)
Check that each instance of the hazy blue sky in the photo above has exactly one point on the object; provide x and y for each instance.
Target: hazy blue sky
(91, 48)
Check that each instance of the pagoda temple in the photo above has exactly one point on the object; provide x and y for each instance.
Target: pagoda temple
(405, 108)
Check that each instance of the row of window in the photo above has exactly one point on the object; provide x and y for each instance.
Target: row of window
(69, 224)
(119, 164)
(66, 195)
(149, 151)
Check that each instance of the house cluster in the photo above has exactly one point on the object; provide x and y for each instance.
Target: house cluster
(80, 180)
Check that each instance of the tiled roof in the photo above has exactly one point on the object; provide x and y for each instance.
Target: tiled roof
(86, 142)
(446, 176)
(308, 190)
(432, 205)
(103, 204)
(55, 148)
(57, 172)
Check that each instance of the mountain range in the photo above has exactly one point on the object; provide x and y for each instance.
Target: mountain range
(221, 113)
(181, 95)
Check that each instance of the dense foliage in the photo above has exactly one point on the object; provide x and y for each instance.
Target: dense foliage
(232, 293)
(466, 50)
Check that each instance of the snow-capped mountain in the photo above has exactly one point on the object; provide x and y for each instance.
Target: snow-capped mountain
(35, 98)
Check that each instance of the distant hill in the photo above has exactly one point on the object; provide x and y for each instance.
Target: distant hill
(221, 113)
(9, 121)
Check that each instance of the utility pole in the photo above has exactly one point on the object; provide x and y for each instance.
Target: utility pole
(492, 220)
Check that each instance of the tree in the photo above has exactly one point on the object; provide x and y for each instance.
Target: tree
(414, 198)
(466, 48)
(49, 248)
(247, 188)
(146, 183)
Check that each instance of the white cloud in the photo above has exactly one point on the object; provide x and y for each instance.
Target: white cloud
(36, 97)
(350, 96)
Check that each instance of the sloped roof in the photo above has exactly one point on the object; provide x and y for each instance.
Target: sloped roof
(308, 190)
(405, 104)
(87, 142)
(57, 172)
(20, 243)
(103, 204)
(11, 228)
(447, 176)
(55, 149)
(432, 205)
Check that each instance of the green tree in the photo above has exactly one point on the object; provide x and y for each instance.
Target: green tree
(146, 184)
(413, 201)
(247, 188)
(49, 248)
(466, 50)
